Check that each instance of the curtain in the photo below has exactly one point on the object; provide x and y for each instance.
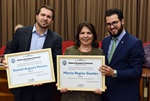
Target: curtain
(69, 13)
(143, 21)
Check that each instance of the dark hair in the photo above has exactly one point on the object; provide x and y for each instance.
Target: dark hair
(91, 27)
(46, 7)
(114, 11)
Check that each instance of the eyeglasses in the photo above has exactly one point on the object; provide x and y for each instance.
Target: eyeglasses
(115, 23)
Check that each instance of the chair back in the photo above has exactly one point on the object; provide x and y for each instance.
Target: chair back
(2, 50)
(146, 43)
(66, 44)
(100, 44)
(146, 47)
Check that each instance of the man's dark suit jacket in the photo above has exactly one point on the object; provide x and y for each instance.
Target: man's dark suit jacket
(8, 46)
(21, 42)
(128, 59)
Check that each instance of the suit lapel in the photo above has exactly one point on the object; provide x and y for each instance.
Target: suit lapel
(48, 40)
(105, 47)
(120, 46)
(28, 33)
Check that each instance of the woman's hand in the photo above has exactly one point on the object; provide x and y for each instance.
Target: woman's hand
(63, 90)
(98, 91)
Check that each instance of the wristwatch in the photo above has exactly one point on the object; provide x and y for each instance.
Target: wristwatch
(115, 73)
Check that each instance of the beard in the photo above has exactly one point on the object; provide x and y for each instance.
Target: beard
(119, 32)
(43, 27)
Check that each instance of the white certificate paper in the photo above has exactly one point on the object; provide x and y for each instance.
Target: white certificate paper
(29, 68)
(80, 72)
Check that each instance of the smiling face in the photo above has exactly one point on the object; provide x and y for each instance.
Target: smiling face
(114, 25)
(44, 18)
(86, 37)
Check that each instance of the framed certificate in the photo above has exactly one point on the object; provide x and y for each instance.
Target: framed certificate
(29, 68)
(80, 73)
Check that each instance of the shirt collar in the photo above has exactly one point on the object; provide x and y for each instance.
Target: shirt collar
(34, 31)
(121, 35)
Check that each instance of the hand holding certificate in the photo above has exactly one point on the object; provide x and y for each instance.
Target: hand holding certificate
(30, 68)
(80, 72)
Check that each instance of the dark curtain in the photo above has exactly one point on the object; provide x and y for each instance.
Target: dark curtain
(69, 13)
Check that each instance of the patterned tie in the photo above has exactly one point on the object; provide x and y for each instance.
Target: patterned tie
(113, 47)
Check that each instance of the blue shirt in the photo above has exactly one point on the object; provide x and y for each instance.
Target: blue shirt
(117, 41)
(37, 40)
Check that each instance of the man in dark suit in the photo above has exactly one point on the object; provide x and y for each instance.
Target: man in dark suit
(34, 38)
(123, 66)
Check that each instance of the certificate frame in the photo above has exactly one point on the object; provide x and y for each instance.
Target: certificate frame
(30, 67)
(63, 80)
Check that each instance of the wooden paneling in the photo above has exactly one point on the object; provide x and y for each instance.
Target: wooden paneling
(5, 94)
(145, 74)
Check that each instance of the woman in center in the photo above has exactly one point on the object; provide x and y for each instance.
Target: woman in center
(86, 44)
